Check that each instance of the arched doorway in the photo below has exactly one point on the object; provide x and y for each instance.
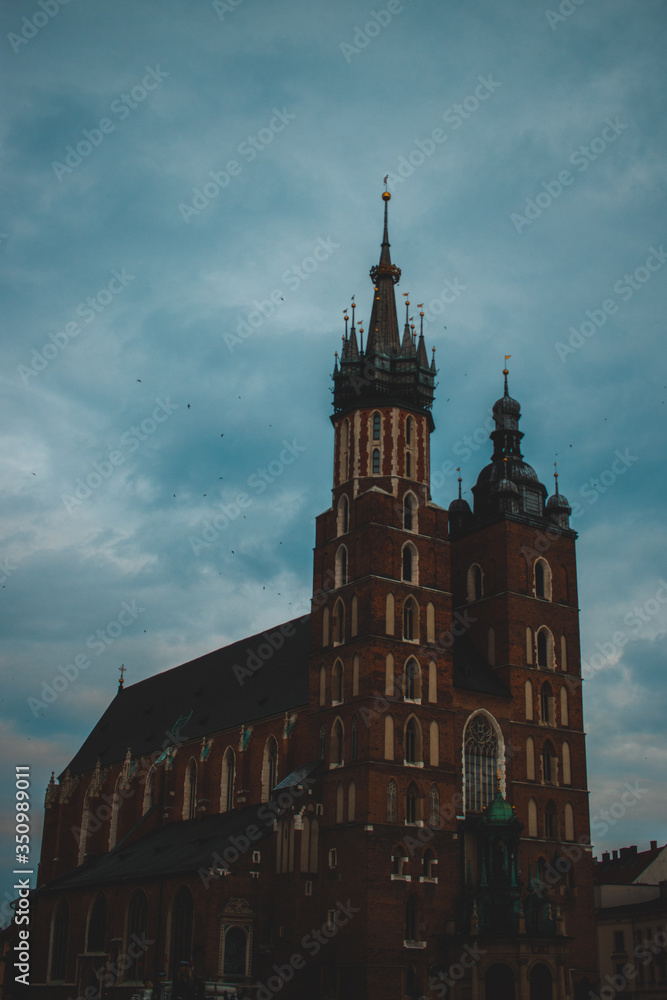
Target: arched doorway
(540, 983)
(499, 982)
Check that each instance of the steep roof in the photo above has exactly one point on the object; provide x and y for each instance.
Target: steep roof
(174, 849)
(235, 685)
(627, 867)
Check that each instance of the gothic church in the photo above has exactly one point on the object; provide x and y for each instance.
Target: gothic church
(386, 798)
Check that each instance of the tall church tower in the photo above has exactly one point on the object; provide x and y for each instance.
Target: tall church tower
(445, 699)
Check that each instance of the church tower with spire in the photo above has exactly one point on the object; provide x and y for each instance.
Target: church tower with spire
(445, 685)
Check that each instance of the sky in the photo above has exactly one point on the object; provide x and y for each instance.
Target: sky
(190, 198)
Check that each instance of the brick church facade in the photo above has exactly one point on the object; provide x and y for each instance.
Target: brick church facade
(384, 798)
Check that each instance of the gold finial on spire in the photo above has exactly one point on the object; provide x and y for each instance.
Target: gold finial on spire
(385, 194)
(121, 682)
(460, 479)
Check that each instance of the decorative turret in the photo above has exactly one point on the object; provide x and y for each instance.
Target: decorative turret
(390, 371)
(558, 508)
(508, 484)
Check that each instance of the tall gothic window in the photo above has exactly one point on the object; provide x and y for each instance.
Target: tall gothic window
(181, 929)
(410, 619)
(269, 768)
(227, 796)
(337, 742)
(434, 806)
(137, 923)
(376, 461)
(59, 938)
(377, 423)
(409, 506)
(392, 796)
(412, 748)
(97, 925)
(481, 763)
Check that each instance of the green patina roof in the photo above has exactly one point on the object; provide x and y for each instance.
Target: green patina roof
(499, 811)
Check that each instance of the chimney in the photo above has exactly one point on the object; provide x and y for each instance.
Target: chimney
(654, 845)
(628, 854)
(614, 855)
(605, 857)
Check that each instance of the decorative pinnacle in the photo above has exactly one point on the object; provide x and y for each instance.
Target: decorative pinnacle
(121, 682)
(506, 373)
(556, 476)
(460, 479)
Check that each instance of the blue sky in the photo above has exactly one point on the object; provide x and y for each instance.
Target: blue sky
(167, 168)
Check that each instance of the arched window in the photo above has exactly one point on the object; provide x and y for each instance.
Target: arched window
(85, 820)
(434, 745)
(322, 743)
(392, 798)
(412, 681)
(190, 790)
(377, 426)
(354, 741)
(551, 821)
(411, 919)
(409, 563)
(337, 742)
(343, 515)
(475, 583)
(97, 924)
(545, 649)
(269, 768)
(227, 784)
(410, 512)
(434, 806)
(354, 622)
(345, 450)
(137, 924)
(532, 818)
(540, 983)
(409, 430)
(116, 801)
(432, 682)
(351, 801)
(529, 701)
(59, 941)
(337, 683)
(542, 579)
(340, 802)
(428, 864)
(548, 764)
(182, 915)
(149, 791)
(413, 742)
(408, 465)
(338, 623)
(341, 566)
(236, 950)
(412, 804)
(411, 620)
(499, 983)
(530, 759)
(376, 461)
(547, 713)
(482, 760)
(564, 712)
(388, 737)
(569, 822)
(567, 766)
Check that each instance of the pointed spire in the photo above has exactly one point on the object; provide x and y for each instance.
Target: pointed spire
(422, 356)
(407, 347)
(383, 337)
(433, 368)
